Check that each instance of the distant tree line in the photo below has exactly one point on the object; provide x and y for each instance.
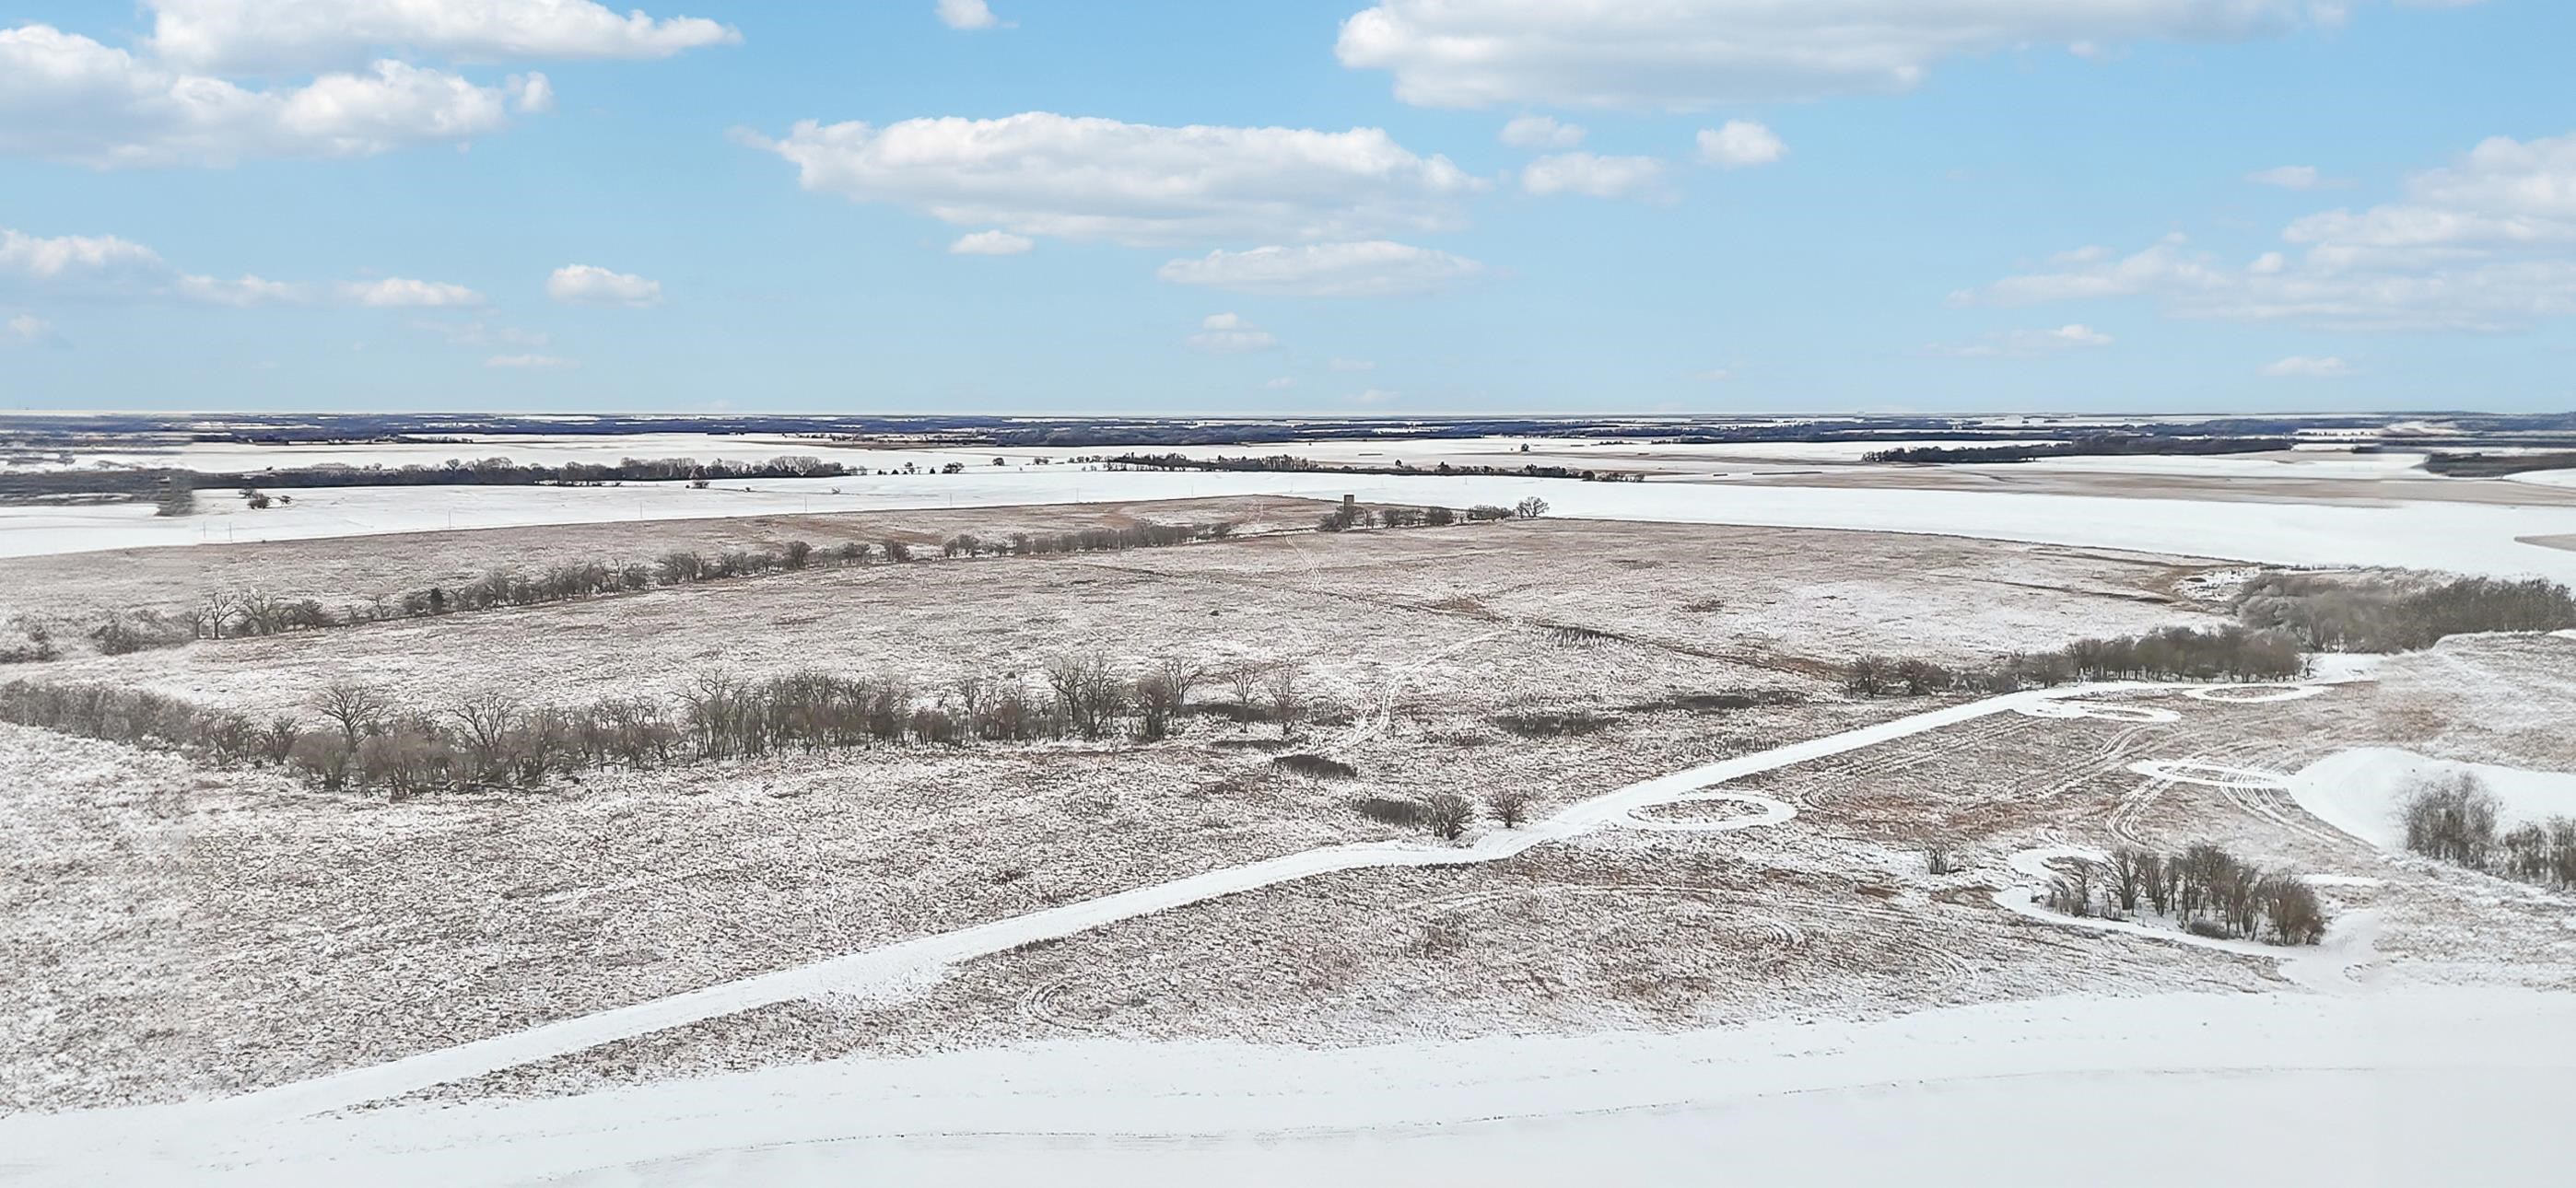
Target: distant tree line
(2092, 445)
(1289, 463)
(2204, 890)
(2493, 465)
(172, 491)
(223, 614)
(2347, 613)
(2453, 817)
(2169, 654)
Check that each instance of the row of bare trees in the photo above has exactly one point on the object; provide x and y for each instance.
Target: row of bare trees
(222, 614)
(2203, 889)
(2173, 653)
(2452, 816)
(2378, 613)
(369, 736)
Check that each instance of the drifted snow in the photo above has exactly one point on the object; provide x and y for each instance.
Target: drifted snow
(2364, 792)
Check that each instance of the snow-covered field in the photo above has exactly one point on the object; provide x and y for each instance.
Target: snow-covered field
(2457, 1087)
(2465, 537)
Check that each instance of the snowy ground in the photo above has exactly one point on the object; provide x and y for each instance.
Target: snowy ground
(2415, 1088)
(1075, 964)
(2462, 536)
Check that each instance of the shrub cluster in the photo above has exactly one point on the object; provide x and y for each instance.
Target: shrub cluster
(25, 641)
(2203, 889)
(2342, 613)
(2453, 817)
(2170, 654)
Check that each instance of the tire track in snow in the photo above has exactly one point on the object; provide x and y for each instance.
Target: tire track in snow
(912, 962)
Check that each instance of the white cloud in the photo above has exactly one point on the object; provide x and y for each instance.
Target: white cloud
(1374, 396)
(1693, 54)
(1740, 143)
(530, 93)
(1340, 364)
(1595, 176)
(528, 362)
(1541, 132)
(1279, 384)
(968, 14)
(990, 243)
(396, 292)
(28, 330)
(1713, 375)
(1374, 268)
(2026, 344)
(106, 268)
(2486, 243)
(2308, 367)
(80, 261)
(253, 36)
(1042, 174)
(588, 284)
(2295, 177)
(1227, 333)
(67, 98)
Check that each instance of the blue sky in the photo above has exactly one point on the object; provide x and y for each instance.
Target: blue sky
(2148, 205)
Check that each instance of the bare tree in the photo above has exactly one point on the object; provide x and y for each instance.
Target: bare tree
(215, 609)
(355, 708)
(1510, 806)
(1285, 700)
(1447, 815)
(486, 721)
(1530, 508)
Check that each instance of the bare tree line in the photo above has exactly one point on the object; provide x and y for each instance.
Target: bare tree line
(2347, 613)
(2173, 653)
(2203, 889)
(2453, 817)
(371, 737)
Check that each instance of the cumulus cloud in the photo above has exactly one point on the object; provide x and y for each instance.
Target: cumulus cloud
(2485, 243)
(1041, 174)
(528, 362)
(1279, 383)
(1595, 176)
(968, 14)
(1340, 364)
(1227, 333)
(1692, 54)
(1740, 143)
(258, 36)
(67, 98)
(589, 284)
(990, 243)
(2307, 367)
(2026, 344)
(1373, 268)
(1541, 132)
(28, 330)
